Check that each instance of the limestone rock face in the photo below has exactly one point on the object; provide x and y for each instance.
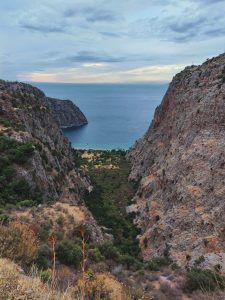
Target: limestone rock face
(66, 113)
(180, 163)
(25, 116)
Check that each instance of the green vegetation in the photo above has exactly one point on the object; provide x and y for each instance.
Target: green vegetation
(42, 257)
(45, 276)
(112, 192)
(69, 253)
(44, 232)
(157, 262)
(205, 280)
(15, 190)
(99, 157)
(95, 255)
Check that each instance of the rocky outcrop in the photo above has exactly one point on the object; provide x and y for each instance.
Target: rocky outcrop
(25, 116)
(66, 113)
(180, 163)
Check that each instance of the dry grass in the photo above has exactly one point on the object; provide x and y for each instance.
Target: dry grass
(18, 241)
(70, 216)
(15, 285)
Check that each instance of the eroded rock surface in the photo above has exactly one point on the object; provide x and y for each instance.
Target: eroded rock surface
(180, 163)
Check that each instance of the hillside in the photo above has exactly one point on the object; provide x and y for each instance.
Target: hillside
(66, 113)
(37, 165)
(67, 217)
(180, 163)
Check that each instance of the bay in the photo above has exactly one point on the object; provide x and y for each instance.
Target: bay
(118, 114)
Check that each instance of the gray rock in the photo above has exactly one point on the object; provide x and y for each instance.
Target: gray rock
(180, 162)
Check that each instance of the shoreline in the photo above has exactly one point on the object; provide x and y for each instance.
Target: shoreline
(108, 150)
(73, 126)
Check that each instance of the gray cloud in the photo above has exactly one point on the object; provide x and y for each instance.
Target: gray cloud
(101, 16)
(43, 28)
(205, 2)
(125, 34)
(215, 32)
(70, 12)
(187, 25)
(111, 34)
(90, 57)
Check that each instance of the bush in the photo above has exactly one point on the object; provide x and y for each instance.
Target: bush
(95, 255)
(43, 257)
(205, 280)
(3, 219)
(157, 262)
(26, 203)
(12, 188)
(109, 250)
(18, 242)
(69, 253)
(129, 260)
(16, 151)
(44, 232)
(45, 276)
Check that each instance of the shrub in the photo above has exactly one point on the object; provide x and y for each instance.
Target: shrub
(12, 188)
(95, 255)
(69, 253)
(3, 219)
(60, 220)
(16, 151)
(45, 276)
(156, 262)
(90, 274)
(109, 250)
(44, 232)
(199, 261)
(145, 242)
(205, 280)
(129, 260)
(42, 257)
(26, 203)
(18, 242)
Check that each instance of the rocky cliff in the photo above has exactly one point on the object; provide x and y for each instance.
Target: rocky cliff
(66, 113)
(25, 117)
(180, 163)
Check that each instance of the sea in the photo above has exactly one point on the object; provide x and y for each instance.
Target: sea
(118, 114)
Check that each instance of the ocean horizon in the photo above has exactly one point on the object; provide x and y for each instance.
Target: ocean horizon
(118, 114)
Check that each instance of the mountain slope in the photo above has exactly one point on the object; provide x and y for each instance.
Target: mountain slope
(36, 157)
(181, 164)
(66, 113)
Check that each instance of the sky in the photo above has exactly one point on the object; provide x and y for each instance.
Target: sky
(96, 41)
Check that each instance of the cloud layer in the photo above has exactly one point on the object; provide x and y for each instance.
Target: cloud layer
(107, 41)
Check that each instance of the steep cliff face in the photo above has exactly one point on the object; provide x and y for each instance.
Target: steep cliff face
(25, 117)
(180, 162)
(66, 113)
(26, 110)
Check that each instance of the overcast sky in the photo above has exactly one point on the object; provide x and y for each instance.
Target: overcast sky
(107, 40)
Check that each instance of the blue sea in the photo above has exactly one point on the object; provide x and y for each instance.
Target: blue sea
(118, 114)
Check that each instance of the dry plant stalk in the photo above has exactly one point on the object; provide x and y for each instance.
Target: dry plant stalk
(52, 242)
(83, 263)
